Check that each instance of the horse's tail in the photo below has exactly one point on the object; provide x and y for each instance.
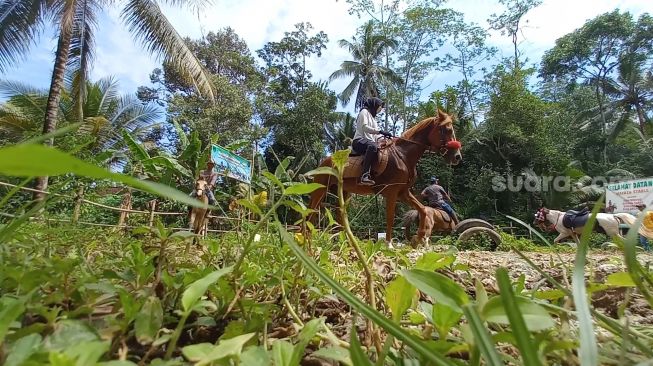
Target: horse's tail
(408, 220)
(626, 218)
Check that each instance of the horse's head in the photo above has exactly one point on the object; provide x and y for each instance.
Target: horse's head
(200, 187)
(438, 134)
(540, 218)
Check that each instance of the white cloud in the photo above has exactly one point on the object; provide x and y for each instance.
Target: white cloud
(258, 22)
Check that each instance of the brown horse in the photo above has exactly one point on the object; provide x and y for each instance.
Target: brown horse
(399, 173)
(436, 220)
(199, 215)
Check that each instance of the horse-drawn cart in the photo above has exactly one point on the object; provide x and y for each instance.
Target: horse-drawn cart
(438, 221)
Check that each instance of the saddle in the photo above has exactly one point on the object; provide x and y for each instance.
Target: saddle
(354, 167)
(574, 219)
(443, 214)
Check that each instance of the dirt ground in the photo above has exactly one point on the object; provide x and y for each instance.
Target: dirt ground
(600, 264)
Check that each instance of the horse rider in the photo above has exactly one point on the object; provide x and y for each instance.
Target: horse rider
(367, 132)
(211, 178)
(437, 197)
(643, 241)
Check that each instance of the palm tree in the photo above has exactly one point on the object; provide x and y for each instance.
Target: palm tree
(365, 70)
(340, 132)
(106, 112)
(75, 22)
(629, 95)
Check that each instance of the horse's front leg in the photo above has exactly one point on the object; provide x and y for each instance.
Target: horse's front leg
(410, 198)
(191, 220)
(560, 237)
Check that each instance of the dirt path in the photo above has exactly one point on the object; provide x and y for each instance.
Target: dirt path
(600, 264)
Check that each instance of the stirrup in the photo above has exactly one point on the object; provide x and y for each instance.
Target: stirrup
(366, 180)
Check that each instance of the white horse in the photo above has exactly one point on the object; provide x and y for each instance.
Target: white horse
(608, 222)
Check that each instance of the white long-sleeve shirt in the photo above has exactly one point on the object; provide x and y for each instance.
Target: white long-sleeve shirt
(366, 126)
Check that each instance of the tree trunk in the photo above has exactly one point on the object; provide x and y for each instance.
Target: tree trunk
(640, 117)
(604, 123)
(56, 84)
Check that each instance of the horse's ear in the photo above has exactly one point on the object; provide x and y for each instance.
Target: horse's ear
(441, 114)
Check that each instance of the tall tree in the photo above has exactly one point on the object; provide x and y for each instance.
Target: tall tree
(235, 79)
(421, 31)
(106, 112)
(75, 23)
(365, 70)
(510, 22)
(471, 52)
(293, 107)
(593, 55)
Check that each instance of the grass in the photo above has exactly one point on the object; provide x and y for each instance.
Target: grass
(78, 296)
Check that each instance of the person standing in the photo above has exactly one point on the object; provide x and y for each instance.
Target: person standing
(646, 226)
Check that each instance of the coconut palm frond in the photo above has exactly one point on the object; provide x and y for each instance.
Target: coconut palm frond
(346, 94)
(20, 23)
(31, 101)
(148, 24)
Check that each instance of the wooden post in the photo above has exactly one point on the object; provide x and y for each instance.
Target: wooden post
(79, 199)
(125, 205)
(152, 205)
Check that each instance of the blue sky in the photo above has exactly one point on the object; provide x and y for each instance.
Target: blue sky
(260, 21)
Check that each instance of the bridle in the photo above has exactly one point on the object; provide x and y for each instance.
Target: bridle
(543, 220)
(199, 191)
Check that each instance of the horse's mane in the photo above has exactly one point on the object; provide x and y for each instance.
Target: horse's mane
(409, 133)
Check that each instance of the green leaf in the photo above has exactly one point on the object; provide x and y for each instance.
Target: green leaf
(282, 353)
(358, 356)
(399, 296)
(255, 356)
(360, 306)
(481, 294)
(482, 338)
(340, 159)
(588, 353)
(172, 164)
(33, 162)
(273, 178)
(148, 320)
(535, 316)
(206, 353)
(135, 148)
(181, 135)
(334, 353)
(249, 205)
(549, 294)
(440, 288)
(119, 363)
(305, 336)
(10, 309)
(620, 279)
(181, 235)
(87, 353)
(23, 349)
(522, 314)
(70, 332)
(197, 289)
(323, 170)
(302, 188)
(433, 261)
(444, 318)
